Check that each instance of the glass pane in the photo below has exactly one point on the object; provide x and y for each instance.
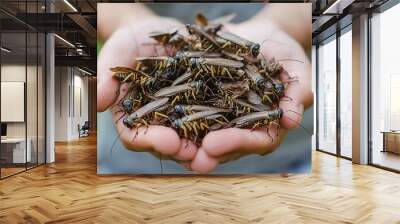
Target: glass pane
(41, 98)
(385, 86)
(31, 97)
(13, 86)
(346, 94)
(327, 96)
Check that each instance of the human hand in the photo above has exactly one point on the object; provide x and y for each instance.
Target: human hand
(122, 47)
(233, 143)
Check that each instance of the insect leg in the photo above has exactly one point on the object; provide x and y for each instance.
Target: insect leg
(267, 98)
(120, 118)
(156, 114)
(194, 127)
(175, 99)
(269, 135)
(183, 127)
(146, 125)
(277, 126)
(204, 126)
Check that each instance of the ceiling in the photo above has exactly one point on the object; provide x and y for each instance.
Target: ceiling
(75, 21)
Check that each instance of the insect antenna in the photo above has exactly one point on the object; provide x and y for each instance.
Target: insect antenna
(286, 59)
(291, 80)
(120, 118)
(290, 98)
(275, 41)
(269, 135)
(161, 165)
(115, 141)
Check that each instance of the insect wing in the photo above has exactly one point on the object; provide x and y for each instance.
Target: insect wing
(182, 78)
(201, 20)
(222, 62)
(223, 19)
(197, 54)
(248, 119)
(199, 31)
(204, 108)
(254, 98)
(121, 70)
(172, 90)
(149, 59)
(161, 33)
(200, 115)
(234, 38)
(150, 107)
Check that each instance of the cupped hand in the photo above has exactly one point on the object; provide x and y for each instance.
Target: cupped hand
(120, 50)
(233, 143)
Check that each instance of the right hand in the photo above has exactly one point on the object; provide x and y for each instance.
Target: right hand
(120, 50)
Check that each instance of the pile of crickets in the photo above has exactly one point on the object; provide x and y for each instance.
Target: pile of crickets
(214, 79)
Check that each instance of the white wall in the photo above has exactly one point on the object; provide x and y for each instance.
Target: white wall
(69, 82)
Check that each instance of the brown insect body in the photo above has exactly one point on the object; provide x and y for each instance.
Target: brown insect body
(205, 41)
(134, 117)
(258, 119)
(198, 124)
(215, 67)
(238, 45)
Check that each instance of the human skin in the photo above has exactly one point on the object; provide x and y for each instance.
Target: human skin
(131, 40)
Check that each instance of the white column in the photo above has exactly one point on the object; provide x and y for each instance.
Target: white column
(50, 100)
(360, 90)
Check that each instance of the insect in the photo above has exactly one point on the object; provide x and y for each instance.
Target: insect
(271, 68)
(132, 76)
(183, 57)
(199, 121)
(258, 119)
(213, 26)
(160, 64)
(233, 90)
(135, 118)
(190, 109)
(163, 37)
(271, 90)
(216, 66)
(205, 42)
(171, 39)
(238, 45)
(253, 119)
(183, 91)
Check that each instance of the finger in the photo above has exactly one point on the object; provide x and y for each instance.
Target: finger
(158, 138)
(299, 88)
(297, 75)
(115, 52)
(187, 165)
(230, 157)
(259, 141)
(203, 163)
(187, 150)
(292, 114)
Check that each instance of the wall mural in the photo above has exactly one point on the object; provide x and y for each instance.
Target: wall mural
(229, 92)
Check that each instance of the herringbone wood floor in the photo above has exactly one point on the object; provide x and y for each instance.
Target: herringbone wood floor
(70, 191)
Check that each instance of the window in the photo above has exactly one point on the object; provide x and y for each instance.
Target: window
(22, 92)
(385, 89)
(327, 96)
(346, 92)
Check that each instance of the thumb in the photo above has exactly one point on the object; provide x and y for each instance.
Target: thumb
(119, 50)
